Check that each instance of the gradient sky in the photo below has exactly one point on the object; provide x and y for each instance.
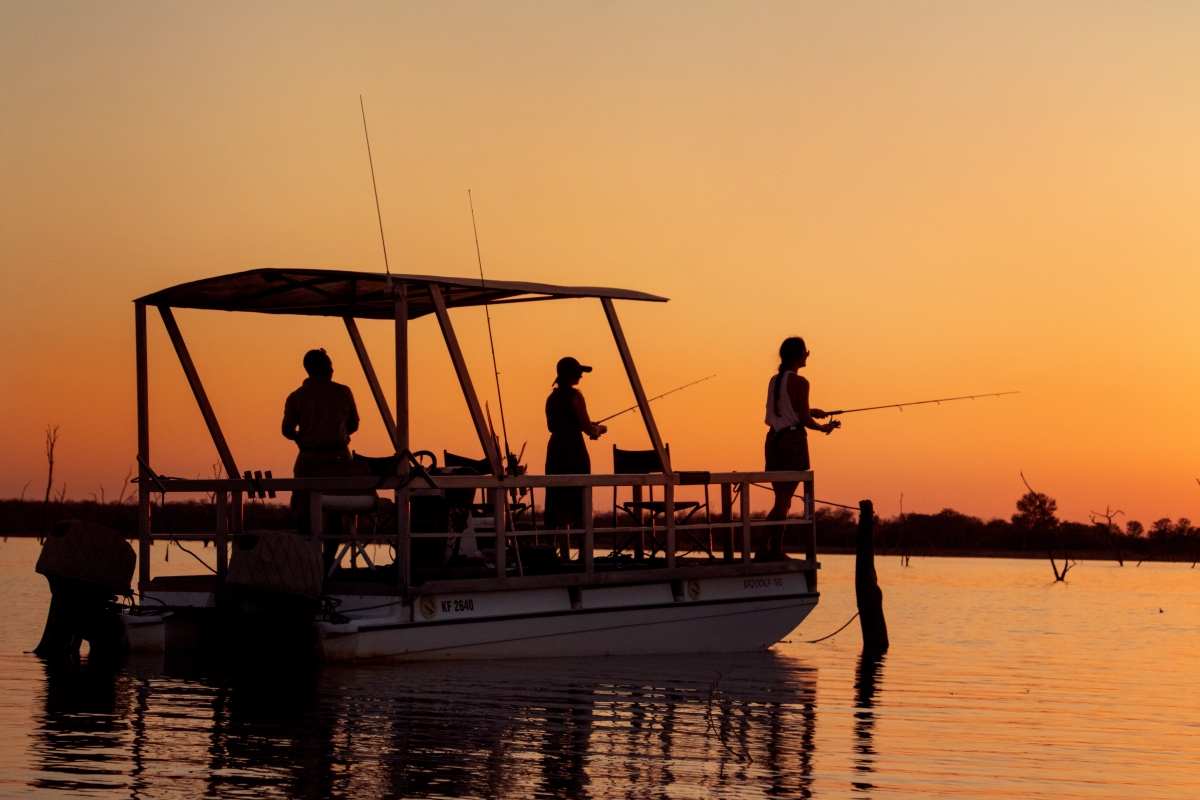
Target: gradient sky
(942, 198)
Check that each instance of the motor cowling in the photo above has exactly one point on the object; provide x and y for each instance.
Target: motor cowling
(87, 566)
(273, 588)
(276, 562)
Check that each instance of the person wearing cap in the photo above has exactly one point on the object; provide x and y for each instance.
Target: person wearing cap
(567, 454)
(320, 417)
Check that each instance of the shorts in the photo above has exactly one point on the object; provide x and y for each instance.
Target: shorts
(787, 450)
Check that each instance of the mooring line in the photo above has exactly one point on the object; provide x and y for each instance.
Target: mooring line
(835, 633)
(822, 502)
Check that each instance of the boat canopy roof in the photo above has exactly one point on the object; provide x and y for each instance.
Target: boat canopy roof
(366, 295)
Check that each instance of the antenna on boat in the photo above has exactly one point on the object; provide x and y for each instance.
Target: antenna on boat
(386, 267)
(508, 454)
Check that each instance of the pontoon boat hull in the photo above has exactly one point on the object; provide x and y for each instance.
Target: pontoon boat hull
(703, 615)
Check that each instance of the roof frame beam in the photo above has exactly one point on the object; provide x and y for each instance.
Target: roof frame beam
(464, 379)
(364, 359)
(635, 382)
(193, 378)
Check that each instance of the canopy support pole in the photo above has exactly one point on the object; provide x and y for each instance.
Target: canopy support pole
(464, 380)
(189, 369)
(639, 394)
(399, 434)
(376, 390)
(143, 423)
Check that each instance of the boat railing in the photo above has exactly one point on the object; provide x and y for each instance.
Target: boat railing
(229, 493)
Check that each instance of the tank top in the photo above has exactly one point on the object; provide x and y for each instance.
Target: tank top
(560, 411)
(787, 416)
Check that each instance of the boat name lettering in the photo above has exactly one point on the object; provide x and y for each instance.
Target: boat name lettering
(449, 606)
(761, 583)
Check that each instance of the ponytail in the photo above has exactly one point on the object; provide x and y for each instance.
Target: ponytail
(791, 351)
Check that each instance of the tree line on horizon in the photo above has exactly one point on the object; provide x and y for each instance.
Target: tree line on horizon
(1034, 530)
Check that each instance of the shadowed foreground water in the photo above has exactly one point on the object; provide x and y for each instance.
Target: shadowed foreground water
(999, 683)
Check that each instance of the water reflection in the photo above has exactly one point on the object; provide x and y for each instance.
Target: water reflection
(554, 728)
(866, 684)
(80, 736)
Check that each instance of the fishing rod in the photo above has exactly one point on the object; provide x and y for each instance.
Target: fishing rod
(915, 403)
(386, 267)
(508, 453)
(656, 397)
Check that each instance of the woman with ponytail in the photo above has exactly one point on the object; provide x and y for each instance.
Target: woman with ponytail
(789, 417)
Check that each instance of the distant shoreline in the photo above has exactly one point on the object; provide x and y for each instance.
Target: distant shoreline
(880, 552)
(980, 553)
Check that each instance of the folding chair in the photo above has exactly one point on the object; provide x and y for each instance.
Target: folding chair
(646, 462)
(481, 467)
(351, 506)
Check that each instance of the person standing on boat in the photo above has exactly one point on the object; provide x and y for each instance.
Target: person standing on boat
(320, 417)
(789, 417)
(566, 454)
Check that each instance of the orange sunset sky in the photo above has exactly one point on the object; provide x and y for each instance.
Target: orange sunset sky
(942, 198)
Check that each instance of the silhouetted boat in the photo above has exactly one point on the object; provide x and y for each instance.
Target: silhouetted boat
(447, 594)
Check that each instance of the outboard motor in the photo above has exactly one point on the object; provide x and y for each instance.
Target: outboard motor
(275, 581)
(87, 566)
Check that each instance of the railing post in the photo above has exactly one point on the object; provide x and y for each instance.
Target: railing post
(500, 546)
(589, 532)
(639, 540)
(810, 511)
(316, 521)
(747, 545)
(400, 442)
(221, 534)
(669, 513)
(237, 519)
(727, 517)
(143, 421)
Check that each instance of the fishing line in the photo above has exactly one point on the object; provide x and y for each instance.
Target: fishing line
(917, 403)
(822, 502)
(656, 397)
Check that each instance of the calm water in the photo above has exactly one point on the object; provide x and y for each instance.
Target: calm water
(998, 683)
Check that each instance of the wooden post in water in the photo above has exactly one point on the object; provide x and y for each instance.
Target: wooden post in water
(866, 583)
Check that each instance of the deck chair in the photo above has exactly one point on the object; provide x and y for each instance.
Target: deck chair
(646, 462)
(350, 506)
(481, 467)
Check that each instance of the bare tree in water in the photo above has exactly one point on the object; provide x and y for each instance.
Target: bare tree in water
(51, 443)
(1106, 521)
(1036, 514)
